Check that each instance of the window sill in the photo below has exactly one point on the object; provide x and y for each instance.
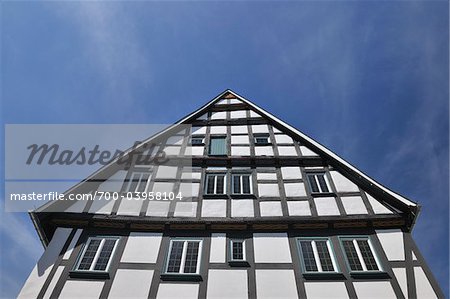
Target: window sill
(210, 196)
(238, 264)
(181, 277)
(89, 274)
(323, 276)
(369, 274)
(249, 195)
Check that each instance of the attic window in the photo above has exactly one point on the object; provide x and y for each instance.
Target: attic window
(137, 182)
(197, 140)
(261, 139)
(183, 259)
(317, 255)
(318, 182)
(360, 254)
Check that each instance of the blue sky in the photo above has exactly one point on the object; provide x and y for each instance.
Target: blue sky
(368, 79)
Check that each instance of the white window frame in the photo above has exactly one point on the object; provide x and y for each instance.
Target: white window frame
(354, 240)
(317, 182)
(97, 253)
(129, 182)
(183, 256)
(215, 183)
(316, 255)
(241, 185)
(244, 254)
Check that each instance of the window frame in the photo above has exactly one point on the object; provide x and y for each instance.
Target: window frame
(97, 255)
(250, 176)
(354, 240)
(244, 254)
(197, 138)
(315, 174)
(256, 136)
(128, 182)
(331, 252)
(215, 183)
(210, 144)
(183, 257)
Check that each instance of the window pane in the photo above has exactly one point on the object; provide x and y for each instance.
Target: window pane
(352, 256)
(262, 140)
(367, 255)
(89, 255)
(324, 256)
(312, 183)
(322, 183)
(143, 182)
(175, 257)
(308, 256)
(190, 266)
(210, 184)
(236, 184)
(105, 255)
(246, 184)
(134, 182)
(220, 184)
(197, 140)
(218, 146)
(238, 250)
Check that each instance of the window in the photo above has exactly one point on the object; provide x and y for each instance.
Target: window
(317, 255)
(97, 254)
(318, 183)
(137, 182)
(184, 257)
(215, 183)
(237, 250)
(197, 140)
(360, 254)
(218, 146)
(241, 184)
(262, 139)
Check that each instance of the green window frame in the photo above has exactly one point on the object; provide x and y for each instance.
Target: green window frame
(317, 255)
(360, 254)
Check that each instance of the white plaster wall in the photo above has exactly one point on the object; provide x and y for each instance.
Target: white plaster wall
(235, 101)
(276, 284)
(266, 176)
(239, 130)
(240, 150)
(185, 209)
(238, 114)
(81, 289)
(268, 190)
(163, 187)
(101, 206)
(353, 205)
(189, 190)
(203, 117)
(227, 284)
(53, 282)
(282, 138)
(113, 183)
(166, 172)
(275, 130)
(263, 151)
(287, 151)
(37, 277)
(423, 286)
(326, 206)
(240, 139)
(254, 114)
(326, 290)
(131, 284)
(400, 275)
(307, 152)
(342, 183)
(214, 208)
(219, 115)
(196, 150)
(271, 248)
(177, 290)
(199, 130)
(142, 248)
(175, 140)
(77, 206)
(242, 208)
(172, 150)
(260, 129)
(291, 172)
(299, 208)
(218, 248)
(158, 208)
(72, 244)
(378, 207)
(294, 189)
(374, 289)
(270, 208)
(189, 174)
(130, 207)
(218, 130)
(392, 242)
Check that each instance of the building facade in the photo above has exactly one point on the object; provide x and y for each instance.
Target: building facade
(271, 213)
